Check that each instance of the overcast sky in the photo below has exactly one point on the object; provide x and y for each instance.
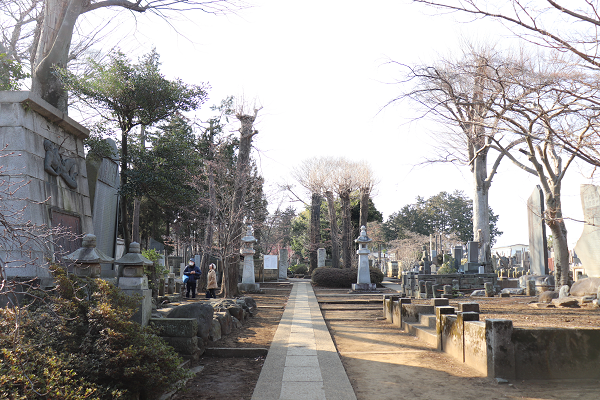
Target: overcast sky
(320, 71)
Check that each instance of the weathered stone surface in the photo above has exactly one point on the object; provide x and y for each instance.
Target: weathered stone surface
(478, 293)
(538, 249)
(588, 245)
(250, 303)
(236, 323)
(514, 291)
(547, 296)
(201, 311)
(225, 321)
(563, 292)
(176, 327)
(183, 345)
(585, 287)
(566, 302)
(215, 330)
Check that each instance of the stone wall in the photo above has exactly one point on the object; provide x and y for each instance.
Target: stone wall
(26, 122)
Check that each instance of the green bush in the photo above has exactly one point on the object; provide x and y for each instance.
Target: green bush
(299, 269)
(80, 343)
(342, 278)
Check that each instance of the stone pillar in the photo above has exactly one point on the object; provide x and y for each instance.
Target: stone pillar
(171, 283)
(134, 282)
(530, 287)
(501, 353)
(161, 287)
(363, 280)
(284, 264)
(447, 292)
(248, 282)
(489, 289)
(321, 253)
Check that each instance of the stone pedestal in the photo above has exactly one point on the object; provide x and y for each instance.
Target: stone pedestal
(138, 286)
(283, 264)
(248, 280)
(363, 279)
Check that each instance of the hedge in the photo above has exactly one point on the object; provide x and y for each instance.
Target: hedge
(342, 278)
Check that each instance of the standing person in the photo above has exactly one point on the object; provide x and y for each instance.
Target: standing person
(211, 284)
(193, 273)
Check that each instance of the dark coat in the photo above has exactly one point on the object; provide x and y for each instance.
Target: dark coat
(192, 277)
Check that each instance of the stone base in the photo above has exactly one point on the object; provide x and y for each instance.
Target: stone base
(144, 312)
(370, 287)
(249, 287)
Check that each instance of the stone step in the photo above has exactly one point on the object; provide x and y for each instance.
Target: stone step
(423, 332)
(427, 320)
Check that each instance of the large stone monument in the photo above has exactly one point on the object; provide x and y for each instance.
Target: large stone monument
(103, 182)
(50, 152)
(284, 263)
(538, 247)
(248, 280)
(588, 245)
(363, 279)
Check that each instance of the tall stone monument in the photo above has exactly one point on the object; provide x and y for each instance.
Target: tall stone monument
(363, 279)
(588, 245)
(103, 182)
(538, 245)
(50, 152)
(284, 263)
(248, 280)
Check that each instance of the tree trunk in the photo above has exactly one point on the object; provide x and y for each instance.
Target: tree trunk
(481, 214)
(56, 32)
(335, 248)
(346, 230)
(237, 212)
(315, 230)
(135, 230)
(556, 223)
(364, 207)
(208, 234)
(124, 219)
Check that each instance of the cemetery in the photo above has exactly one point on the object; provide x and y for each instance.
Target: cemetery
(145, 256)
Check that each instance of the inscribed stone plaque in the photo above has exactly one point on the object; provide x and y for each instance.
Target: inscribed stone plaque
(588, 245)
(538, 248)
(321, 253)
(270, 262)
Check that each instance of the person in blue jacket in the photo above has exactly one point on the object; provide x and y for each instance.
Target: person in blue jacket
(193, 273)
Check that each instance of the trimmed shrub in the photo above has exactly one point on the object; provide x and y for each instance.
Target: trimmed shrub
(299, 269)
(342, 278)
(376, 275)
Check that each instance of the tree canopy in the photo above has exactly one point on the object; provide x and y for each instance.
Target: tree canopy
(445, 213)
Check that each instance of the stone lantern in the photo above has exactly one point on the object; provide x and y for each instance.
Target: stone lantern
(134, 282)
(363, 280)
(88, 258)
(247, 251)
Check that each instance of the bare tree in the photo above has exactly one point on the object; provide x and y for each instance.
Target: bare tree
(556, 111)
(43, 31)
(557, 24)
(463, 96)
(312, 175)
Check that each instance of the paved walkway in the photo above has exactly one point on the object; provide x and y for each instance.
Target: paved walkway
(303, 363)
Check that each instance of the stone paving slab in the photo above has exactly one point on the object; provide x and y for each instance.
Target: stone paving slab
(303, 363)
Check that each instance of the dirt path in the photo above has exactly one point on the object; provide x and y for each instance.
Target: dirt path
(384, 363)
(235, 378)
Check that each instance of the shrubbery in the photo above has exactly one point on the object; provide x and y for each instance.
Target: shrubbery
(79, 343)
(342, 278)
(299, 269)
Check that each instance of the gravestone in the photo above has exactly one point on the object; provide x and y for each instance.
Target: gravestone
(538, 248)
(103, 181)
(321, 253)
(457, 255)
(51, 159)
(284, 263)
(588, 245)
(473, 264)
